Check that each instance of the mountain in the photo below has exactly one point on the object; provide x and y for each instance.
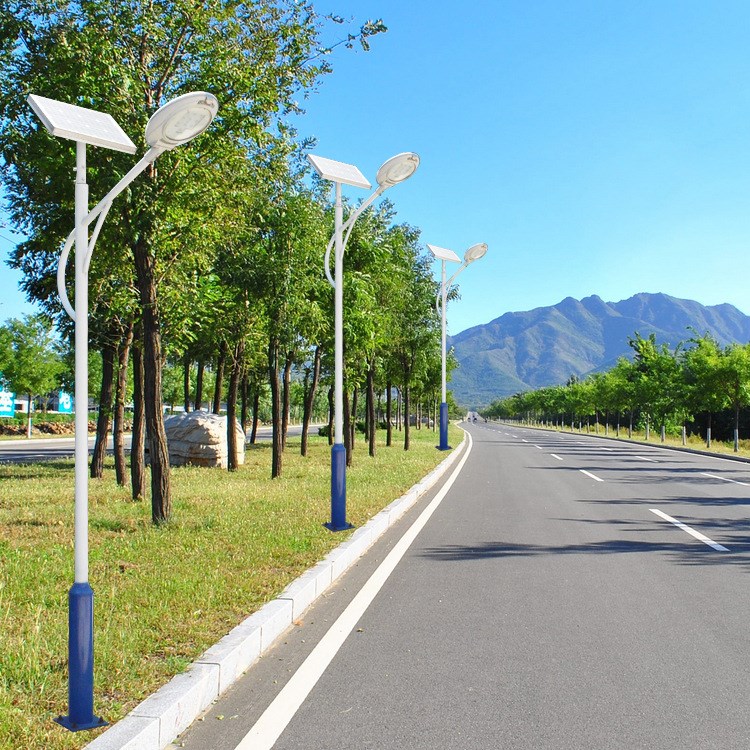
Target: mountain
(524, 350)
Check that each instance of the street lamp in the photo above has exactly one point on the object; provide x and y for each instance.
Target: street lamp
(475, 252)
(174, 124)
(397, 169)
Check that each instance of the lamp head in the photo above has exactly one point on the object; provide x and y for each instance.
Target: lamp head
(397, 169)
(181, 120)
(475, 252)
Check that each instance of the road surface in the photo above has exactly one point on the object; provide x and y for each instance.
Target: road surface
(568, 593)
(46, 449)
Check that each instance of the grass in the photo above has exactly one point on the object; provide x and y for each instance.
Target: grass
(162, 595)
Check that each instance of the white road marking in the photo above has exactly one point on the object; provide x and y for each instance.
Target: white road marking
(652, 460)
(589, 474)
(724, 479)
(710, 542)
(282, 709)
(540, 447)
(524, 441)
(554, 455)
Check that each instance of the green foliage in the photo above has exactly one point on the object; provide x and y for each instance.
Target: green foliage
(33, 362)
(658, 387)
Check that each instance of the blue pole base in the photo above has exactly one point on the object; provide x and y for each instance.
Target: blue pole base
(80, 661)
(64, 721)
(338, 520)
(444, 427)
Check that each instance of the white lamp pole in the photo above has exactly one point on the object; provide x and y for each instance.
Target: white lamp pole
(475, 252)
(175, 123)
(397, 169)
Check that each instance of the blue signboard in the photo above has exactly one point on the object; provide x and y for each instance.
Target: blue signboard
(64, 403)
(7, 404)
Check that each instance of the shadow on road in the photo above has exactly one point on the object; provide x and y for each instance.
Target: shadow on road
(683, 554)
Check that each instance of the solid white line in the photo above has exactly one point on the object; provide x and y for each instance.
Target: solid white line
(724, 479)
(589, 474)
(282, 709)
(554, 455)
(692, 532)
(652, 460)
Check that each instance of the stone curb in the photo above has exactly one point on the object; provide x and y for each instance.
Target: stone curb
(160, 718)
(661, 446)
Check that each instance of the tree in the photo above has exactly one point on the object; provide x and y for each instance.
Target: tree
(704, 379)
(658, 383)
(735, 376)
(35, 363)
(127, 58)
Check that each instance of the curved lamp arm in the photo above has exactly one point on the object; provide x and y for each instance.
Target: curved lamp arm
(447, 287)
(347, 229)
(98, 212)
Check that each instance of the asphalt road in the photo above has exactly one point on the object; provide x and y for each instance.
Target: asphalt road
(47, 449)
(543, 605)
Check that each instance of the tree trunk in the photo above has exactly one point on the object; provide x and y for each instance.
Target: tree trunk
(276, 439)
(199, 385)
(353, 419)
(330, 415)
(161, 495)
(105, 411)
(234, 384)
(138, 439)
(310, 398)
(244, 395)
(347, 428)
(28, 415)
(256, 408)
(407, 405)
(737, 429)
(123, 355)
(186, 383)
(371, 425)
(286, 397)
(388, 413)
(219, 377)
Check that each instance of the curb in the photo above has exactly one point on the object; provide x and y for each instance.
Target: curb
(160, 718)
(660, 446)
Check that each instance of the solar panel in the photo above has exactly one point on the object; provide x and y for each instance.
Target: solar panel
(81, 124)
(337, 171)
(442, 253)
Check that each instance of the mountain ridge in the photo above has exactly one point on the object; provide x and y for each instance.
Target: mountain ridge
(520, 351)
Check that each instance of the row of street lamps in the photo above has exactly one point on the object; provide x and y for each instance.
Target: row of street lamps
(175, 124)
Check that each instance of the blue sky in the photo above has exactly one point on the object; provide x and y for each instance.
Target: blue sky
(597, 147)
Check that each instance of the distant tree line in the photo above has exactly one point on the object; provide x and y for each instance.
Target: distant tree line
(696, 385)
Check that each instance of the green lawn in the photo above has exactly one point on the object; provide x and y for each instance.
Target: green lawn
(163, 595)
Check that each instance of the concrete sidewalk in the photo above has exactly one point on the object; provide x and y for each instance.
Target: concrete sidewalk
(159, 719)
